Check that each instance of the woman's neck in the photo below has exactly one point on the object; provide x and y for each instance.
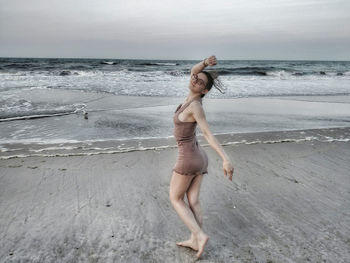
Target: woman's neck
(192, 96)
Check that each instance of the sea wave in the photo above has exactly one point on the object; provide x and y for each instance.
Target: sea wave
(108, 62)
(158, 64)
(171, 78)
(135, 73)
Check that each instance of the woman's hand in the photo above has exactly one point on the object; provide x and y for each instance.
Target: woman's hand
(228, 169)
(211, 61)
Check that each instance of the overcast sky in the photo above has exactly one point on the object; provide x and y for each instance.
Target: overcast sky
(179, 29)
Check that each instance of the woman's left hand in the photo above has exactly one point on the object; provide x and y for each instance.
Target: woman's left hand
(228, 169)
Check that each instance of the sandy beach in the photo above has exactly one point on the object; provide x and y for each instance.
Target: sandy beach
(91, 103)
(288, 202)
(95, 105)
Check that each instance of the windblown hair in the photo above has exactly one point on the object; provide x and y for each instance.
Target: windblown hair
(213, 80)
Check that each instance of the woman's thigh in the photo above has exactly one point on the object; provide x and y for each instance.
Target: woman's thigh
(178, 185)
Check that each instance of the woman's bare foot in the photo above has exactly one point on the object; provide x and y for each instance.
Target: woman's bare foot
(191, 243)
(202, 240)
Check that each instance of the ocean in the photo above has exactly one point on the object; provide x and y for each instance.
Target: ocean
(43, 100)
(168, 78)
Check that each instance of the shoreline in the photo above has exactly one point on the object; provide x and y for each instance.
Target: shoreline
(288, 202)
(24, 150)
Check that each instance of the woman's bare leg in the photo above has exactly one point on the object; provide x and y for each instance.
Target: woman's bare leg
(179, 184)
(193, 200)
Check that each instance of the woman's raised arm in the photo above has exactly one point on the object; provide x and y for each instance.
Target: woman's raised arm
(211, 61)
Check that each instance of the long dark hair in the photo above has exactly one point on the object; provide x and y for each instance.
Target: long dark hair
(213, 80)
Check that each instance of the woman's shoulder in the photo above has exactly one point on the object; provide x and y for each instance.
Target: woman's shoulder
(195, 105)
(196, 102)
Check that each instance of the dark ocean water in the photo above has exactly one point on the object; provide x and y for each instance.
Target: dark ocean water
(159, 78)
(41, 99)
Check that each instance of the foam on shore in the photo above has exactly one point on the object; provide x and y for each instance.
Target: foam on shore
(18, 150)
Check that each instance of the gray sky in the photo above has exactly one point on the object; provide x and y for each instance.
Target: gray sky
(162, 29)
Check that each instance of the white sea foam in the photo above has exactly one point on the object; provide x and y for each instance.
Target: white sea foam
(87, 151)
(31, 89)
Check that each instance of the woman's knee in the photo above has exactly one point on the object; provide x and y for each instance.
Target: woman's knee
(175, 197)
(193, 201)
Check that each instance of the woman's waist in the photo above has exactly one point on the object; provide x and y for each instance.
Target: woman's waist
(185, 138)
(187, 144)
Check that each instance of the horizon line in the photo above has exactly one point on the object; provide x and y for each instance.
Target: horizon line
(179, 59)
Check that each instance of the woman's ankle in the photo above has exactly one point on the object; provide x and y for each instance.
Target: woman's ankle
(200, 235)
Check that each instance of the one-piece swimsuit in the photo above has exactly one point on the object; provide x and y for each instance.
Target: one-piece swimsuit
(191, 159)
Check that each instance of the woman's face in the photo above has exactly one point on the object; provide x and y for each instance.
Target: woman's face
(198, 82)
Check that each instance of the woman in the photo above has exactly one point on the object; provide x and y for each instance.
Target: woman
(192, 161)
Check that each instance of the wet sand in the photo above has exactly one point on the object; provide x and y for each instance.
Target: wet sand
(112, 117)
(288, 202)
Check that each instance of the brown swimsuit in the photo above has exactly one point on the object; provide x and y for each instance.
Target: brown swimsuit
(192, 159)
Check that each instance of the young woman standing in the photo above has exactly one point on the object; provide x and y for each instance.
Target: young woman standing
(192, 160)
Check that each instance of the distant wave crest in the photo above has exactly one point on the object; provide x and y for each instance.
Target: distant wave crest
(158, 64)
